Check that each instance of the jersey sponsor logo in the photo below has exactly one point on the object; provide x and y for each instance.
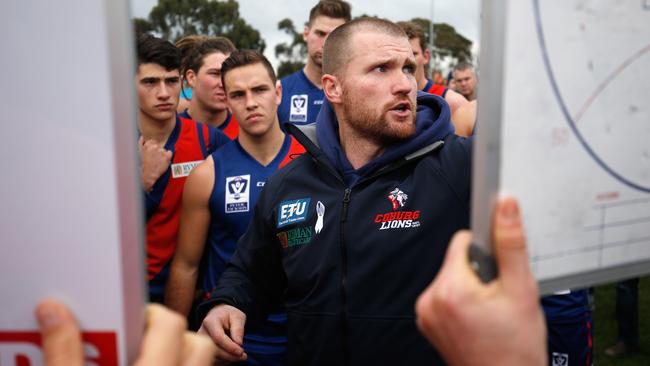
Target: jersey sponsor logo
(397, 219)
(560, 359)
(237, 193)
(25, 348)
(299, 106)
(260, 184)
(181, 170)
(290, 212)
(320, 101)
(294, 237)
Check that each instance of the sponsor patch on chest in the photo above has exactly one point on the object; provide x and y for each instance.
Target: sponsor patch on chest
(290, 212)
(296, 236)
(181, 170)
(238, 193)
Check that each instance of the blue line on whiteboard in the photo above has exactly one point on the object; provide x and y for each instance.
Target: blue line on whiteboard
(565, 111)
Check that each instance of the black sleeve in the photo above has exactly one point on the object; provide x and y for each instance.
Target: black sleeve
(456, 163)
(254, 281)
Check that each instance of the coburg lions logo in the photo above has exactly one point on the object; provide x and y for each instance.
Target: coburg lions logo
(397, 198)
(398, 219)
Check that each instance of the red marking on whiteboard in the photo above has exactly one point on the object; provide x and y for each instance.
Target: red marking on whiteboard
(25, 348)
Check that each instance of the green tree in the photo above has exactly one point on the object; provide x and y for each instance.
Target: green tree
(447, 42)
(173, 19)
(291, 55)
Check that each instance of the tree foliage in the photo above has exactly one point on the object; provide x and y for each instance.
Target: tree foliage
(173, 19)
(291, 55)
(447, 42)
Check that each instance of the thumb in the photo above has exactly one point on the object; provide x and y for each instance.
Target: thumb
(60, 334)
(510, 245)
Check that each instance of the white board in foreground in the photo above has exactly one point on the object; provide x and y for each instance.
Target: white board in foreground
(564, 126)
(71, 218)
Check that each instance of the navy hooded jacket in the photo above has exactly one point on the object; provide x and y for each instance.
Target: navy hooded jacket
(347, 251)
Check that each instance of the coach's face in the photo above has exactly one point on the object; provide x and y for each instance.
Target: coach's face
(378, 87)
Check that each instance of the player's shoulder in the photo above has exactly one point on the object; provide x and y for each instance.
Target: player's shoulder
(293, 80)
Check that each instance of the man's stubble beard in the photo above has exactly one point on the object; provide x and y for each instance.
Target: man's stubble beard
(372, 124)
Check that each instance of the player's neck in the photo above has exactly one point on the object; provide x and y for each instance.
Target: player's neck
(314, 73)
(263, 148)
(422, 81)
(212, 118)
(358, 149)
(157, 130)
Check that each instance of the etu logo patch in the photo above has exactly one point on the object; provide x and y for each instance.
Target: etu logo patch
(290, 212)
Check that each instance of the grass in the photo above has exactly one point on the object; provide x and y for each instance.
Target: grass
(605, 326)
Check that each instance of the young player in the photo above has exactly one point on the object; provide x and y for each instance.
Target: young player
(201, 70)
(302, 91)
(221, 194)
(169, 148)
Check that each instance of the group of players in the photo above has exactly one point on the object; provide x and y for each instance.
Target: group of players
(206, 160)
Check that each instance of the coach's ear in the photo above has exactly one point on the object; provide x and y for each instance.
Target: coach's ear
(332, 88)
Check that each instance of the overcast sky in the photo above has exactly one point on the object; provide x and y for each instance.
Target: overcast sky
(264, 15)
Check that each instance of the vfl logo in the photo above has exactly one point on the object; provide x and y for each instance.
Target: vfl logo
(290, 212)
(560, 359)
(299, 105)
(397, 198)
(299, 102)
(237, 193)
(236, 186)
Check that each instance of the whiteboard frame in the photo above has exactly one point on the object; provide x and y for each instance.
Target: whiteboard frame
(487, 158)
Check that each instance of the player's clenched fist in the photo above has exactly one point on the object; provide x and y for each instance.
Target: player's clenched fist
(154, 161)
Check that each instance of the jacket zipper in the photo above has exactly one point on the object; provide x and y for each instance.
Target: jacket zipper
(344, 278)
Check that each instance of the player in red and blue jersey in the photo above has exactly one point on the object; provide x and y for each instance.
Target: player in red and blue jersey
(463, 122)
(302, 91)
(570, 326)
(221, 194)
(170, 147)
(201, 70)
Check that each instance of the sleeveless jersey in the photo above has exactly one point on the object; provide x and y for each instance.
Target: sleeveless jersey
(435, 89)
(190, 142)
(239, 179)
(230, 127)
(301, 100)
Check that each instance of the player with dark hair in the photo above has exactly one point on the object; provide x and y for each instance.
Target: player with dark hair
(170, 147)
(201, 69)
(351, 232)
(302, 91)
(221, 193)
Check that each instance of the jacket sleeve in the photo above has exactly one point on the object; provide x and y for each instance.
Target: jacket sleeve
(254, 281)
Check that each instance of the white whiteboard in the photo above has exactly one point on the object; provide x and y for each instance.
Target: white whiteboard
(564, 126)
(71, 219)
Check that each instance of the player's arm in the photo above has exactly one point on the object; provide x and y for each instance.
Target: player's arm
(455, 100)
(195, 221)
(464, 118)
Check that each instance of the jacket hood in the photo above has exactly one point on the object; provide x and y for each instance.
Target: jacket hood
(432, 125)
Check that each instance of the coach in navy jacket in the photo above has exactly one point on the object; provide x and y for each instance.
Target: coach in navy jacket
(349, 250)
